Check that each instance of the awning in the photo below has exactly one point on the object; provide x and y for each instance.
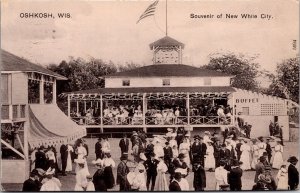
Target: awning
(50, 126)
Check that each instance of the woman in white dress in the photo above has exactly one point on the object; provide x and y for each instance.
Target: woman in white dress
(81, 154)
(282, 177)
(161, 183)
(184, 148)
(210, 159)
(69, 159)
(81, 176)
(245, 156)
(254, 151)
(278, 159)
(261, 147)
(105, 145)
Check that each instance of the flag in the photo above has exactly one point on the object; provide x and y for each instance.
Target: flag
(149, 11)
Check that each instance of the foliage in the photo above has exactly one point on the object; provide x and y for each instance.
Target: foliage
(244, 69)
(285, 83)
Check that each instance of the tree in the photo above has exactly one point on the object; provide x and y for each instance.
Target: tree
(244, 69)
(285, 83)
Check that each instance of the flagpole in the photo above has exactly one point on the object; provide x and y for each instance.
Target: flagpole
(166, 17)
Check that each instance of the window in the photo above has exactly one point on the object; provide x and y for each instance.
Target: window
(166, 82)
(126, 83)
(207, 81)
(15, 111)
(245, 110)
(23, 110)
(272, 109)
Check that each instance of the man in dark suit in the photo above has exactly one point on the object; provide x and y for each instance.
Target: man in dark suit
(40, 159)
(124, 144)
(199, 149)
(168, 155)
(238, 149)
(174, 185)
(269, 150)
(234, 176)
(260, 168)
(199, 175)
(151, 165)
(98, 149)
(217, 150)
(32, 184)
(64, 158)
(293, 174)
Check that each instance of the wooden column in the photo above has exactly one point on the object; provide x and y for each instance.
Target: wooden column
(26, 130)
(54, 92)
(188, 107)
(84, 106)
(42, 101)
(69, 106)
(101, 114)
(144, 112)
(77, 107)
(233, 110)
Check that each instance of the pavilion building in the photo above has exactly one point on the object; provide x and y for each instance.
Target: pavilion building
(30, 117)
(169, 94)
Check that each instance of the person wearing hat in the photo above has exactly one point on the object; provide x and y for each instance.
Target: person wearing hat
(168, 154)
(260, 167)
(32, 184)
(282, 178)
(206, 136)
(132, 176)
(293, 174)
(64, 158)
(139, 180)
(134, 137)
(50, 183)
(271, 185)
(210, 159)
(81, 174)
(247, 129)
(199, 149)
(122, 171)
(99, 178)
(261, 184)
(278, 158)
(81, 155)
(151, 170)
(184, 148)
(161, 183)
(261, 146)
(40, 159)
(109, 164)
(174, 185)
(98, 149)
(235, 175)
(180, 135)
(254, 150)
(269, 149)
(245, 155)
(199, 182)
(217, 148)
(221, 175)
(90, 185)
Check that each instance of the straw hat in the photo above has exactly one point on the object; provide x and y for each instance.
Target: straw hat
(143, 157)
(207, 132)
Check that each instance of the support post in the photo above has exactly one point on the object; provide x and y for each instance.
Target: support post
(54, 92)
(42, 101)
(84, 106)
(188, 107)
(233, 110)
(101, 114)
(69, 106)
(77, 107)
(26, 130)
(144, 112)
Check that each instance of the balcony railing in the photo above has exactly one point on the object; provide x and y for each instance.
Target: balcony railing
(180, 120)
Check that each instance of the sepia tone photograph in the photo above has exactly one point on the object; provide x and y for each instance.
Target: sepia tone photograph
(149, 95)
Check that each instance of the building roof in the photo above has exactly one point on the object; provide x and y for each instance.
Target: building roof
(169, 70)
(212, 89)
(166, 41)
(11, 62)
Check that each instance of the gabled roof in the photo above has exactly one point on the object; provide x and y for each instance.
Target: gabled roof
(11, 62)
(169, 70)
(166, 41)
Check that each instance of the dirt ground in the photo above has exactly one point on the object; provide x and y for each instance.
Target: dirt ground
(68, 182)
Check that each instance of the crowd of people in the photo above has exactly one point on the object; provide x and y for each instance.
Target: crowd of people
(163, 163)
(165, 115)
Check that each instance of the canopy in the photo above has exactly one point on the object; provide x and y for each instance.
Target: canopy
(50, 126)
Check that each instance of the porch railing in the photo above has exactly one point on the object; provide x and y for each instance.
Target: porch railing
(180, 120)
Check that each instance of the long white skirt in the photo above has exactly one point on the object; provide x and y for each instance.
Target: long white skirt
(69, 163)
(245, 158)
(278, 160)
(210, 161)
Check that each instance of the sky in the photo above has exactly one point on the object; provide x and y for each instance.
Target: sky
(108, 30)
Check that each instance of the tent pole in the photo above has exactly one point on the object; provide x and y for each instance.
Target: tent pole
(69, 106)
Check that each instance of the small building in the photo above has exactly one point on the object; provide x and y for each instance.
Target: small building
(29, 115)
